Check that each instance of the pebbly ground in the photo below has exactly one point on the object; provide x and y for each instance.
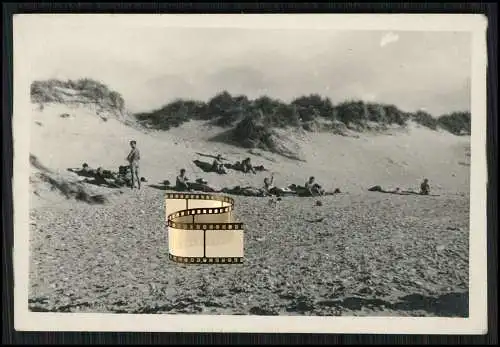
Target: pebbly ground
(363, 254)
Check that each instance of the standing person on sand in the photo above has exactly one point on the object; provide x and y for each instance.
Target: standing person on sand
(133, 158)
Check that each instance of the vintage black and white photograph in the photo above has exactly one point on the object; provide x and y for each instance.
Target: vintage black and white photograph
(345, 157)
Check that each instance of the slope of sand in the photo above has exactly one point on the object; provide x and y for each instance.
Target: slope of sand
(360, 253)
(352, 164)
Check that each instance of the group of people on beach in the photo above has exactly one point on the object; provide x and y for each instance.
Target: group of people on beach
(127, 175)
(245, 165)
(182, 182)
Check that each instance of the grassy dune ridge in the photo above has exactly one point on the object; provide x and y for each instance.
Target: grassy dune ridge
(251, 122)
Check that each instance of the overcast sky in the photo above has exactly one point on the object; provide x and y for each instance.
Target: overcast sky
(151, 66)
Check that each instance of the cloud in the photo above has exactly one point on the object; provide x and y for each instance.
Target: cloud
(389, 38)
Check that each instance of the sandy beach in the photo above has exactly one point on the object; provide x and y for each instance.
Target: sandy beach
(370, 254)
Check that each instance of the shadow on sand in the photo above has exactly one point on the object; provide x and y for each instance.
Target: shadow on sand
(161, 187)
(210, 156)
(446, 305)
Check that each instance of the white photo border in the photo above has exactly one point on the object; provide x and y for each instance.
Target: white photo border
(476, 323)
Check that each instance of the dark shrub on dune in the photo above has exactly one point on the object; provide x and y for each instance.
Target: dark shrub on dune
(457, 123)
(251, 132)
(425, 119)
(224, 109)
(251, 123)
(275, 113)
(233, 111)
(312, 106)
(356, 114)
(393, 115)
(254, 131)
(174, 114)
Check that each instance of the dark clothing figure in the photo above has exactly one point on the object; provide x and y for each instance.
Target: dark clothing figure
(181, 181)
(375, 189)
(103, 178)
(124, 176)
(86, 168)
(247, 166)
(84, 171)
(425, 188)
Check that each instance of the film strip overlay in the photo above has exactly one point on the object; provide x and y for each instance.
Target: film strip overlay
(201, 229)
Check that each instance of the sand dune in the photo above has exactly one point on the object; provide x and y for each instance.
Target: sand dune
(352, 164)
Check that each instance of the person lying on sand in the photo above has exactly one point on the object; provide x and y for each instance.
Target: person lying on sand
(98, 178)
(246, 166)
(245, 191)
(133, 158)
(103, 178)
(425, 188)
(313, 187)
(85, 171)
(236, 166)
(394, 191)
(181, 181)
(217, 165)
(201, 185)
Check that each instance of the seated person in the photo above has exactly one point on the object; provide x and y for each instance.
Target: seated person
(181, 181)
(313, 187)
(268, 184)
(247, 166)
(424, 187)
(124, 177)
(86, 168)
(217, 165)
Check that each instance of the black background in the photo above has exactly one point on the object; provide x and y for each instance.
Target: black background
(10, 336)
